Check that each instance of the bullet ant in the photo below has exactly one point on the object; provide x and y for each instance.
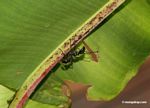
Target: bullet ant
(75, 54)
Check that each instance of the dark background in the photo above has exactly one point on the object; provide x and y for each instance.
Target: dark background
(137, 89)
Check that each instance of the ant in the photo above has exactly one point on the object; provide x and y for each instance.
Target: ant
(74, 54)
(71, 57)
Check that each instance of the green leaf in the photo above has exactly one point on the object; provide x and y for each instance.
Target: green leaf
(35, 104)
(50, 91)
(123, 43)
(6, 96)
(20, 26)
(31, 30)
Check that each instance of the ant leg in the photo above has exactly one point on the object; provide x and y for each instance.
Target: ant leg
(62, 66)
(62, 52)
(71, 63)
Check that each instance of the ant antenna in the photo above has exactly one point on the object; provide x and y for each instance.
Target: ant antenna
(61, 51)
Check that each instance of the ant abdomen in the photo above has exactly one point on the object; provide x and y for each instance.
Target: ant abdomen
(73, 56)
